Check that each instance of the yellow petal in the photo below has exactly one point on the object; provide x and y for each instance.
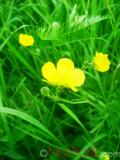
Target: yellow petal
(74, 89)
(78, 77)
(64, 65)
(49, 72)
(26, 40)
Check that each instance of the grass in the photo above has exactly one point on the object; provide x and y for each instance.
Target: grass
(35, 115)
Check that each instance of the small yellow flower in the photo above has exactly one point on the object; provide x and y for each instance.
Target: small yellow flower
(104, 156)
(107, 157)
(101, 62)
(64, 74)
(26, 40)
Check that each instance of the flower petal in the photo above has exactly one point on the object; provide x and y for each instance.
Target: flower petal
(74, 89)
(49, 72)
(64, 65)
(77, 78)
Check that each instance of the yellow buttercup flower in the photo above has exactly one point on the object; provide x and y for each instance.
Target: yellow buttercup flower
(101, 62)
(64, 74)
(104, 156)
(26, 40)
(107, 157)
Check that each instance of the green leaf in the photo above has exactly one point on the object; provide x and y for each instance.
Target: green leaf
(71, 114)
(26, 118)
(14, 155)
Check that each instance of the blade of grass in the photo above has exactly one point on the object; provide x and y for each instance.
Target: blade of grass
(27, 118)
(70, 113)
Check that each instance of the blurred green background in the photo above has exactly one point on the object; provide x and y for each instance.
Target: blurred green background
(35, 115)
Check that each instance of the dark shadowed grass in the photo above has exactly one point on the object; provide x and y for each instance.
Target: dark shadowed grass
(35, 115)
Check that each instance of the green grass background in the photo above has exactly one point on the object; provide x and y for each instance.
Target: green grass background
(35, 115)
